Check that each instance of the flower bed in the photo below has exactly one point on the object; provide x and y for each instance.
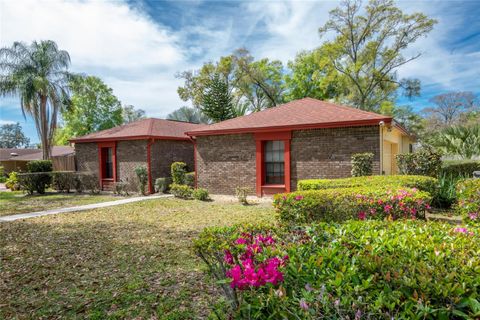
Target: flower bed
(356, 270)
(422, 183)
(468, 193)
(342, 204)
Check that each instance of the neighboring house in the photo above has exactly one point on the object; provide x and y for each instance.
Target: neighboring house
(113, 154)
(17, 159)
(269, 151)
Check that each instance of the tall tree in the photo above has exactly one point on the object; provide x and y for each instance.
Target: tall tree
(94, 107)
(12, 136)
(405, 116)
(130, 114)
(367, 49)
(38, 74)
(311, 75)
(451, 108)
(189, 114)
(217, 102)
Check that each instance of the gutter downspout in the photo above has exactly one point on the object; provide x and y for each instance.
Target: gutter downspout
(381, 125)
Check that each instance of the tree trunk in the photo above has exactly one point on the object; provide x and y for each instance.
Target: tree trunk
(44, 128)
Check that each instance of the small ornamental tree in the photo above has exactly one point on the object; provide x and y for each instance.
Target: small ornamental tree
(179, 171)
(362, 164)
(142, 175)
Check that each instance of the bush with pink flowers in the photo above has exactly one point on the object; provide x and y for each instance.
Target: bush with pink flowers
(342, 204)
(354, 270)
(468, 206)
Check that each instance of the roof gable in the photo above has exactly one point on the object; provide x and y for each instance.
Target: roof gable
(302, 113)
(142, 129)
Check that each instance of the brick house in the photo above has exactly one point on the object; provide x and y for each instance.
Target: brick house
(114, 153)
(269, 151)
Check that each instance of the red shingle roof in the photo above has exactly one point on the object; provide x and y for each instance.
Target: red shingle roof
(142, 129)
(299, 114)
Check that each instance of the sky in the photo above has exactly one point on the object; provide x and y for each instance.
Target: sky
(137, 47)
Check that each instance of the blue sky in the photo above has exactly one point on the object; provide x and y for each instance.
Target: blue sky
(137, 47)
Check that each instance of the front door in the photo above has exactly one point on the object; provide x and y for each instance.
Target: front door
(107, 165)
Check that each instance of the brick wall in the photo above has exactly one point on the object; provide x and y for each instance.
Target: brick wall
(164, 152)
(86, 155)
(130, 154)
(326, 153)
(225, 162)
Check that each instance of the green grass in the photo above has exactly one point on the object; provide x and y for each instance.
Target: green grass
(124, 262)
(18, 202)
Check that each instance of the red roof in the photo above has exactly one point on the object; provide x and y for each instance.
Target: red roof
(306, 113)
(142, 129)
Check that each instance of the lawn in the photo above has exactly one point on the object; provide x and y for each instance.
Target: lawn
(18, 202)
(130, 261)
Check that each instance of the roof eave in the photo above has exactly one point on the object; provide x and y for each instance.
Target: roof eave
(142, 137)
(339, 124)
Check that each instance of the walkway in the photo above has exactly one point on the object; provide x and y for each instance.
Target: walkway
(80, 208)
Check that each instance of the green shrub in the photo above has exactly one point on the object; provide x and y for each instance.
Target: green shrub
(445, 195)
(468, 206)
(3, 178)
(181, 191)
(424, 162)
(40, 166)
(190, 179)
(242, 194)
(64, 181)
(200, 194)
(12, 181)
(120, 188)
(142, 176)
(427, 184)
(362, 164)
(178, 170)
(88, 181)
(355, 270)
(342, 204)
(461, 169)
(161, 184)
(34, 181)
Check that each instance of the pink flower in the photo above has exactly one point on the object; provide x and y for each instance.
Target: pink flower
(362, 215)
(298, 198)
(308, 287)
(228, 257)
(268, 240)
(303, 305)
(387, 208)
(241, 241)
(463, 230)
(473, 216)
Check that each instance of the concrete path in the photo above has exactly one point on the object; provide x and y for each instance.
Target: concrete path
(80, 208)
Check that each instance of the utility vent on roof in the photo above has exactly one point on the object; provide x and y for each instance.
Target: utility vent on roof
(13, 154)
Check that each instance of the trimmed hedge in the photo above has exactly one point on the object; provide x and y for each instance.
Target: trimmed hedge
(362, 164)
(468, 193)
(40, 166)
(425, 162)
(34, 181)
(200, 194)
(462, 169)
(342, 204)
(423, 183)
(64, 181)
(355, 270)
(178, 171)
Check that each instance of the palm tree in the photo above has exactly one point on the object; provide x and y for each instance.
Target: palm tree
(463, 141)
(38, 74)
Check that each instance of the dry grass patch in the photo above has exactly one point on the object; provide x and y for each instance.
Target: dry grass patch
(18, 202)
(124, 262)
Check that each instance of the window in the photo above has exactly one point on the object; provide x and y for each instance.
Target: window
(108, 163)
(274, 162)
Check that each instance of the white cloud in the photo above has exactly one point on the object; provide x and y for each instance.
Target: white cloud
(2, 122)
(135, 55)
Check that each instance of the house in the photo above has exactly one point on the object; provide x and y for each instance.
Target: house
(114, 153)
(13, 159)
(269, 151)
